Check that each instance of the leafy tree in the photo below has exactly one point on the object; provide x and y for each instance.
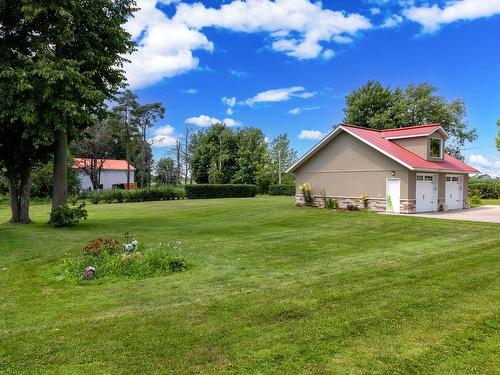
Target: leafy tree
(282, 158)
(166, 172)
(252, 149)
(214, 155)
(383, 108)
(64, 59)
(41, 179)
(19, 150)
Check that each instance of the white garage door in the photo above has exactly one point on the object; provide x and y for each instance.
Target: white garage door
(454, 192)
(426, 193)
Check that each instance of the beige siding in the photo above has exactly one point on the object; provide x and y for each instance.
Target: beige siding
(419, 145)
(442, 186)
(466, 187)
(416, 145)
(347, 167)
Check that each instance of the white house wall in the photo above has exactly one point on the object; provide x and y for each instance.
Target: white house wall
(108, 179)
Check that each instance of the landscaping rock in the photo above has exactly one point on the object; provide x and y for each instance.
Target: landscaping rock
(89, 273)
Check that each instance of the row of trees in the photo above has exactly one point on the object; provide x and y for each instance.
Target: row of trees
(60, 61)
(221, 155)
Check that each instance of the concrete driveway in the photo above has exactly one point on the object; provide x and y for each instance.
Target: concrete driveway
(484, 213)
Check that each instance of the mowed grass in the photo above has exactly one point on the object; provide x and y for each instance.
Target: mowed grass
(273, 289)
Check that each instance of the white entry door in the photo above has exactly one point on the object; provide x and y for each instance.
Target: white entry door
(393, 193)
(426, 193)
(454, 192)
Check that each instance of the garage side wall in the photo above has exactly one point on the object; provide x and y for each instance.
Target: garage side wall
(346, 168)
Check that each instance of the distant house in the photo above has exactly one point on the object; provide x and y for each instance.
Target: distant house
(113, 174)
(401, 170)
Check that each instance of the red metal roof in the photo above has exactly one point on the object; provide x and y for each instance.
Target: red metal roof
(376, 139)
(108, 164)
(412, 131)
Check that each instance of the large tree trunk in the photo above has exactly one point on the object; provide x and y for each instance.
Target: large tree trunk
(19, 192)
(60, 195)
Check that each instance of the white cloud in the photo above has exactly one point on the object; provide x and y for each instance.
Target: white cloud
(375, 11)
(190, 91)
(298, 28)
(392, 21)
(229, 101)
(298, 110)
(205, 121)
(485, 165)
(164, 136)
(239, 73)
(432, 17)
(310, 134)
(309, 22)
(231, 122)
(158, 54)
(279, 95)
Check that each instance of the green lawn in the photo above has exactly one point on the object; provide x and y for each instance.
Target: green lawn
(272, 289)
(490, 201)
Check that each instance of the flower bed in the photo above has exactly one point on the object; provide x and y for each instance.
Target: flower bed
(102, 259)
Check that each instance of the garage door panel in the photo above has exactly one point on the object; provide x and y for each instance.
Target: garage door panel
(454, 192)
(426, 193)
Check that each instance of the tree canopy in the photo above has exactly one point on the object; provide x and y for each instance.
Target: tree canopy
(378, 107)
(223, 155)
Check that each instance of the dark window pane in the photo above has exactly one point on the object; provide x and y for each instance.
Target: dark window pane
(435, 148)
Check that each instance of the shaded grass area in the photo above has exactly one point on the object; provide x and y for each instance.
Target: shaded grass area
(273, 289)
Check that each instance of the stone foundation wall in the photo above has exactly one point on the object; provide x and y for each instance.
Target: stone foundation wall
(374, 204)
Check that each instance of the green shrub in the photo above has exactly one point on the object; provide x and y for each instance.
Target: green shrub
(156, 261)
(331, 203)
(141, 195)
(205, 191)
(484, 189)
(474, 200)
(65, 216)
(282, 190)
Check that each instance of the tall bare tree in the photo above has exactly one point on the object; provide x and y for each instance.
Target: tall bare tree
(93, 149)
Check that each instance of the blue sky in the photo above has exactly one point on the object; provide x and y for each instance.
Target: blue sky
(285, 66)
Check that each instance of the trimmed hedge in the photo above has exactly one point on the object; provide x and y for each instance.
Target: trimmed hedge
(141, 195)
(485, 189)
(282, 190)
(204, 191)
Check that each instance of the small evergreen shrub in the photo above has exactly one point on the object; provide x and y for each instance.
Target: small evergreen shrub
(206, 191)
(282, 190)
(331, 203)
(66, 216)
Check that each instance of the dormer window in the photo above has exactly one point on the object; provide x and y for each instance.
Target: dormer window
(436, 148)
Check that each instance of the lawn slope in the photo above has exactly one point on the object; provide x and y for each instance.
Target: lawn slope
(273, 289)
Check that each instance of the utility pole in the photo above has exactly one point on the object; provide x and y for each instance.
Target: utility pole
(279, 167)
(186, 165)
